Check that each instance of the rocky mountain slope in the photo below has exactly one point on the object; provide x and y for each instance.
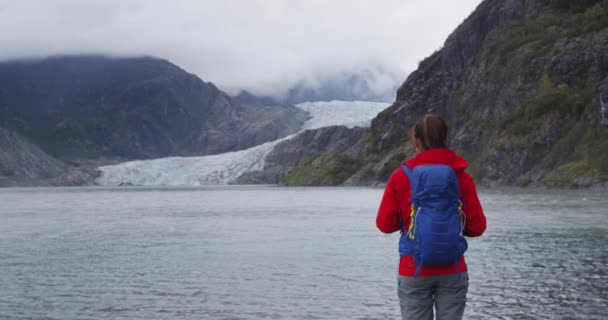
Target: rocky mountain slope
(524, 87)
(93, 107)
(327, 146)
(22, 163)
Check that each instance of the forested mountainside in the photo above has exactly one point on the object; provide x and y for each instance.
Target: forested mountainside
(524, 87)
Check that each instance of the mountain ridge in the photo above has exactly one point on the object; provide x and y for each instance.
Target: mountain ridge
(93, 106)
(93, 109)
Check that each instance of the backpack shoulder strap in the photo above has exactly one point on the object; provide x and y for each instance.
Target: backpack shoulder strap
(410, 176)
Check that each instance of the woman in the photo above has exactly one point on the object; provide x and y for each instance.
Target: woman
(445, 286)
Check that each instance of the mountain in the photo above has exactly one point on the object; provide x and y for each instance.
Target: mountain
(367, 84)
(524, 88)
(95, 107)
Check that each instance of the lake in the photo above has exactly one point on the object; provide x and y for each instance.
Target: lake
(266, 252)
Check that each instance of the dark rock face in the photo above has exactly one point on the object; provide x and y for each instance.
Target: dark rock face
(92, 107)
(267, 119)
(434, 85)
(22, 163)
(334, 139)
(286, 155)
(521, 84)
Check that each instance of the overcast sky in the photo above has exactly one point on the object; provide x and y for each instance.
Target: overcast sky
(261, 45)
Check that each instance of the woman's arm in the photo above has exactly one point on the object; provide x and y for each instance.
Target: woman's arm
(387, 219)
(476, 219)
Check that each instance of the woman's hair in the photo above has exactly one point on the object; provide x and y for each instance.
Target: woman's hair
(432, 131)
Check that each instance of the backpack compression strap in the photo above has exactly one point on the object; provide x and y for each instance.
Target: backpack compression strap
(409, 173)
(413, 188)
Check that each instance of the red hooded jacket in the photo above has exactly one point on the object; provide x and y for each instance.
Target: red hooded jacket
(397, 195)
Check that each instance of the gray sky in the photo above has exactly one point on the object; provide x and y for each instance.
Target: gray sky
(260, 45)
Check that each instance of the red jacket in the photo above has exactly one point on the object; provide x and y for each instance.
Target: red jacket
(396, 198)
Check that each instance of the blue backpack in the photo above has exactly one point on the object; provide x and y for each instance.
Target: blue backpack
(435, 236)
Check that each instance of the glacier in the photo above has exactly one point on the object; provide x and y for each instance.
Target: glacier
(226, 167)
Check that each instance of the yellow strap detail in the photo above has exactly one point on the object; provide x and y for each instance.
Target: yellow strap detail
(411, 231)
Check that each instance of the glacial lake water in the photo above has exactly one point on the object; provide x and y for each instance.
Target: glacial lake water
(264, 252)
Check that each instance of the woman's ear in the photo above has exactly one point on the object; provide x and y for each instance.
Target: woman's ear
(445, 143)
(418, 145)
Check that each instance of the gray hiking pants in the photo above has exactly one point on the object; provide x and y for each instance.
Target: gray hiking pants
(447, 293)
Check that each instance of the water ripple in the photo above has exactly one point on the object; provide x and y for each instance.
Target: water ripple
(281, 253)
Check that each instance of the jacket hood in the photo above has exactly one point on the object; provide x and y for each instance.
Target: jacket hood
(438, 156)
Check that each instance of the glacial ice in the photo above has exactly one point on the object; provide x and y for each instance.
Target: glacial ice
(226, 167)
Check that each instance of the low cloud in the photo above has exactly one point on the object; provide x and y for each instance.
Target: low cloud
(263, 46)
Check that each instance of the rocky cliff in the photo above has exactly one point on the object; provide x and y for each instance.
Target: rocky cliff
(93, 107)
(523, 85)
